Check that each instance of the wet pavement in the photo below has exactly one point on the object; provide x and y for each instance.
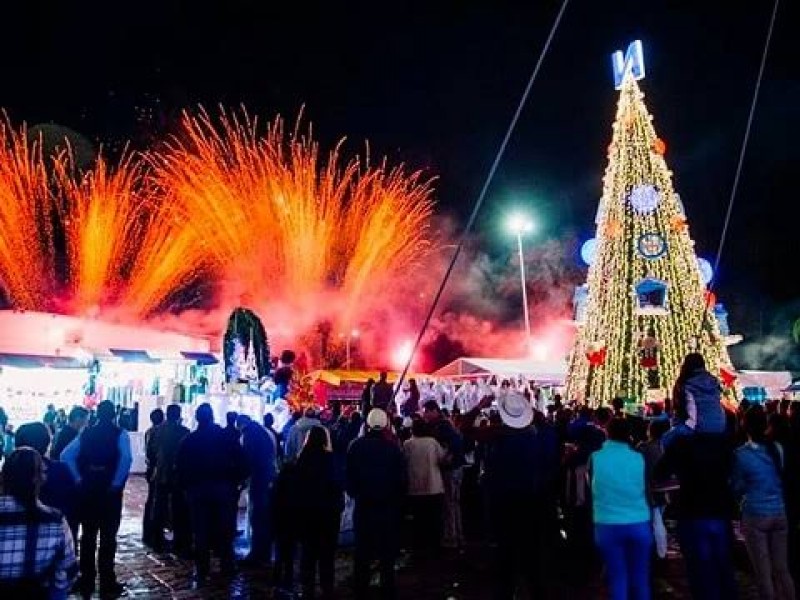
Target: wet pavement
(453, 577)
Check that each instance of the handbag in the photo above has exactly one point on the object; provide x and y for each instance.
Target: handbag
(659, 531)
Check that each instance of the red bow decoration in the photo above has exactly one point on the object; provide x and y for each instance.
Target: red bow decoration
(659, 146)
(711, 299)
(727, 377)
(597, 357)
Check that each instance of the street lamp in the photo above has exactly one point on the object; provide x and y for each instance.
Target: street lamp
(518, 225)
(353, 336)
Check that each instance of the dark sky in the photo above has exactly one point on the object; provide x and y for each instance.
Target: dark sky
(434, 84)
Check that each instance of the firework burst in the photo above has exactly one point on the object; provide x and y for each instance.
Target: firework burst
(281, 221)
(27, 213)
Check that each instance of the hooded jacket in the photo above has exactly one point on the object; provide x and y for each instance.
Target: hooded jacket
(698, 399)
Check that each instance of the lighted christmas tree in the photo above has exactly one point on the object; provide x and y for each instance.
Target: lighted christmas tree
(647, 304)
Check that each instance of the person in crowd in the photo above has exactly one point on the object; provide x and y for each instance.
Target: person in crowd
(623, 531)
(3, 419)
(383, 395)
(76, 422)
(58, 490)
(319, 500)
(696, 396)
(285, 519)
(100, 460)
(37, 555)
(521, 486)
(377, 480)
(341, 440)
(61, 419)
(758, 469)
(583, 436)
(284, 374)
(651, 448)
(260, 454)
(7, 440)
(170, 509)
(287, 428)
(411, 406)
(365, 404)
(792, 489)
(704, 508)
(230, 426)
(297, 435)
(452, 441)
(210, 467)
(425, 458)
(49, 418)
(618, 406)
(150, 534)
(269, 425)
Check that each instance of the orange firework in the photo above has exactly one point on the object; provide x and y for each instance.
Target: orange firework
(27, 254)
(123, 245)
(258, 209)
(280, 221)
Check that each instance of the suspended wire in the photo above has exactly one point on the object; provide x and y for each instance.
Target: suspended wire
(742, 152)
(482, 195)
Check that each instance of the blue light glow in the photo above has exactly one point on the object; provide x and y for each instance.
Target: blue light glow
(589, 251)
(706, 270)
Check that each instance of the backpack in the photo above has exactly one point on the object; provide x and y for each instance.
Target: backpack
(98, 456)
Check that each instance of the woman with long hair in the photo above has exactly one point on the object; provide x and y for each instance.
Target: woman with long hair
(319, 502)
(758, 480)
(42, 563)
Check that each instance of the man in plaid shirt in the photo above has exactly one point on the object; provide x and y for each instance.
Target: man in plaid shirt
(37, 555)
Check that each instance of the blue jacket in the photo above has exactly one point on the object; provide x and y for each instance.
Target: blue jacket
(757, 482)
(702, 390)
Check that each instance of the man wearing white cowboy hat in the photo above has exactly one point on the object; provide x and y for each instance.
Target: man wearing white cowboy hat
(521, 484)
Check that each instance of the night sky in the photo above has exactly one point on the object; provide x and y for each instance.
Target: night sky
(434, 84)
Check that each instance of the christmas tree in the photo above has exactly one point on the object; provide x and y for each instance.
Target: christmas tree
(647, 304)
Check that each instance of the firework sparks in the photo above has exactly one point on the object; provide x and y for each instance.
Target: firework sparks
(273, 213)
(27, 255)
(259, 210)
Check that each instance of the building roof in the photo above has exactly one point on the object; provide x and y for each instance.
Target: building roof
(543, 371)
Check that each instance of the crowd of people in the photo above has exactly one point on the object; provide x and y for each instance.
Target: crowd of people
(591, 488)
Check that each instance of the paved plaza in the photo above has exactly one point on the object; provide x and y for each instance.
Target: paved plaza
(453, 577)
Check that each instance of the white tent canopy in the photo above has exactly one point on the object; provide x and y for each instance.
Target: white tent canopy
(540, 371)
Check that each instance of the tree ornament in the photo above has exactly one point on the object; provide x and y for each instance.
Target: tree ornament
(659, 146)
(710, 299)
(596, 354)
(651, 246)
(679, 224)
(644, 199)
(727, 377)
(612, 228)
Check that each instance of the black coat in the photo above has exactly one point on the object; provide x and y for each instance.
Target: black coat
(377, 479)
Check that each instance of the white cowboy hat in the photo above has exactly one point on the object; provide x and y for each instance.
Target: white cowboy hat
(515, 410)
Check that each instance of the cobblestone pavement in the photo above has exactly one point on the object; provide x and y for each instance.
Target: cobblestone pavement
(454, 577)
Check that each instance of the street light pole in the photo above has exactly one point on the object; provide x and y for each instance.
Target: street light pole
(353, 334)
(524, 292)
(519, 224)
